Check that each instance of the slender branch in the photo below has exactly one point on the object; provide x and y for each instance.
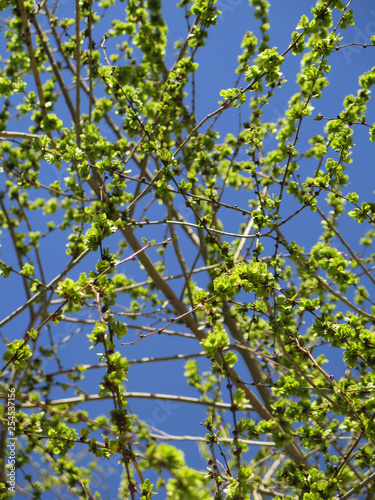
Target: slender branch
(18, 135)
(190, 224)
(47, 48)
(33, 63)
(135, 395)
(167, 437)
(18, 254)
(131, 362)
(49, 286)
(78, 74)
(353, 44)
(369, 480)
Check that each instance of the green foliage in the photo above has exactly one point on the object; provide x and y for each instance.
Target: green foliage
(135, 238)
(17, 353)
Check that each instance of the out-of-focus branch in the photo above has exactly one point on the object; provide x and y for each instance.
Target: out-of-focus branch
(136, 395)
